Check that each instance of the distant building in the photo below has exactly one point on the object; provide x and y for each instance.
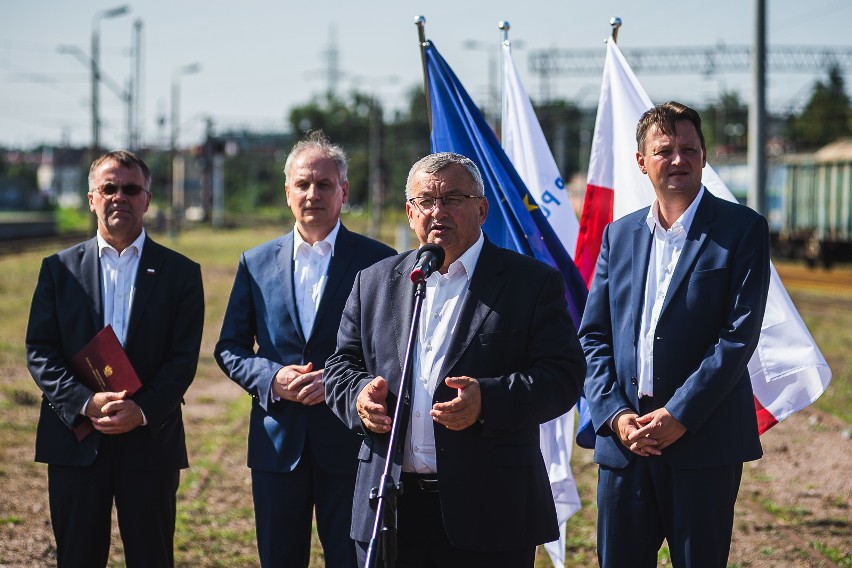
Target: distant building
(62, 177)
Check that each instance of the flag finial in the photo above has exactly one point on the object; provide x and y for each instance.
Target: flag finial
(504, 27)
(615, 22)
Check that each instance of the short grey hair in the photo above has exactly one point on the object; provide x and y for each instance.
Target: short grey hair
(316, 140)
(434, 163)
(127, 160)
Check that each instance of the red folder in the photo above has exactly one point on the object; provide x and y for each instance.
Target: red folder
(102, 365)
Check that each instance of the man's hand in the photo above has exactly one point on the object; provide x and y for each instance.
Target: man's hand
(659, 426)
(94, 408)
(372, 406)
(118, 415)
(626, 426)
(462, 411)
(298, 383)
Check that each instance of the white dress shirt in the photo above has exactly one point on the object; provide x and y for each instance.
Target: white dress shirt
(310, 274)
(118, 282)
(666, 248)
(439, 317)
(118, 288)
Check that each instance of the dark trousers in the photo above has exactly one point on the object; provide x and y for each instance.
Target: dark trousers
(81, 501)
(648, 501)
(422, 541)
(283, 511)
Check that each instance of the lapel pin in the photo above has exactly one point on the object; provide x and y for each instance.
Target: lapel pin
(150, 271)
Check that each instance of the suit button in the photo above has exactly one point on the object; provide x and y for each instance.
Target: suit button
(632, 380)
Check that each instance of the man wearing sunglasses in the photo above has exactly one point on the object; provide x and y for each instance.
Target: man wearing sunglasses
(153, 299)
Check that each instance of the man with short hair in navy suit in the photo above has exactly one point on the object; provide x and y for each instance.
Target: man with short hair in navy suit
(153, 299)
(280, 326)
(672, 319)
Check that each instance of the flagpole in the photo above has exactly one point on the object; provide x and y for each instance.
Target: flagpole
(615, 23)
(504, 26)
(420, 22)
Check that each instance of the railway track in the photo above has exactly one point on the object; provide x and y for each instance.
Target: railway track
(799, 276)
(56, 243)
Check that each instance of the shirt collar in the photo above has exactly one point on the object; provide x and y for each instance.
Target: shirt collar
(467, 261)
(685, 219)
(330, 239)
(135, 245)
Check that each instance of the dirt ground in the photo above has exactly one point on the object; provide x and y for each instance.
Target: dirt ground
(793, 509)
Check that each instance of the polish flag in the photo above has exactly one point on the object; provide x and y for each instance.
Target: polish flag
(788, 371)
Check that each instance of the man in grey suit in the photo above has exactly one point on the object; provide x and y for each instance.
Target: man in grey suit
(496, 355)
(153, 299)
(280, 326)
(673, 317)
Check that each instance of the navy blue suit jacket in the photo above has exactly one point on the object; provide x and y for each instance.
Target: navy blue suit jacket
(262, 311)
(514, 335)
(162, 342)
(706, 334)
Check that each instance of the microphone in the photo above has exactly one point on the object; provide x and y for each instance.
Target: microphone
(430, 258)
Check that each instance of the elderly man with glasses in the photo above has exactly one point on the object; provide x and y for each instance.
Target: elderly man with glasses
(495, 356)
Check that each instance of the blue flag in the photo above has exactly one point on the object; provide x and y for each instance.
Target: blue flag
(514, 220)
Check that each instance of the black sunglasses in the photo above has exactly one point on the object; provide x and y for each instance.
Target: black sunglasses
(110, 189)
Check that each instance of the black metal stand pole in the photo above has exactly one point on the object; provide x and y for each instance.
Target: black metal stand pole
(386, 494)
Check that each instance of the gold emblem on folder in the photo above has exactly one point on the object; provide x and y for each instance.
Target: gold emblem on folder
(108, 371)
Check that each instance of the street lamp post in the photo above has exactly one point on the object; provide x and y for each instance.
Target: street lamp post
(493, 94)
(96, 71)
(175, 103)
(176, 201)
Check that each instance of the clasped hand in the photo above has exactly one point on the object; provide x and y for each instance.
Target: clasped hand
(648, 435)
(456, 414)
(113, 413)
(299, 383)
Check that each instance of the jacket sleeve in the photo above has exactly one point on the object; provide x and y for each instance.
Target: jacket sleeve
(602, 389)
(346, 372)
(235, 350)
(46, 352)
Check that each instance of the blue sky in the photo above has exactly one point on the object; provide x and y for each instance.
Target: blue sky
(260, 58)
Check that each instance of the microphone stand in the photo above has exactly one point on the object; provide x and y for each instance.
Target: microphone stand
(384, 497)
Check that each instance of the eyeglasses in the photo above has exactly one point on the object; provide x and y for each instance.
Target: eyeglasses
(108, 190)
(427, 204)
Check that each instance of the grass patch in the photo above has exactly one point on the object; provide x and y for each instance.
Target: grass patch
(839, 557)
(791, 515)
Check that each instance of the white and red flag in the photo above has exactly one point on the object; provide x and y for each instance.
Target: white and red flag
(788, 371)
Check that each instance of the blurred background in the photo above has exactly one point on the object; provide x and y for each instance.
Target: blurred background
(214, 95)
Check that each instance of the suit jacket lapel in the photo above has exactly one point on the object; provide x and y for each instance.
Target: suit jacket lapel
(150, 268)
(695, 240)
(401, 297)
(482, 293)
(285, 276)
(344, 256)
(640, 257)
(90, 272)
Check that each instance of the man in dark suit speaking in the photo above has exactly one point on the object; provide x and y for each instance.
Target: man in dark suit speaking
(496, 355)
(153, 299)
(279, 328)
(672, 319)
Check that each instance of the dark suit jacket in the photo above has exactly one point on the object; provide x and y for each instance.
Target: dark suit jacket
(162, 342)
(262, 310)
(514, 335)
(707, 331)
